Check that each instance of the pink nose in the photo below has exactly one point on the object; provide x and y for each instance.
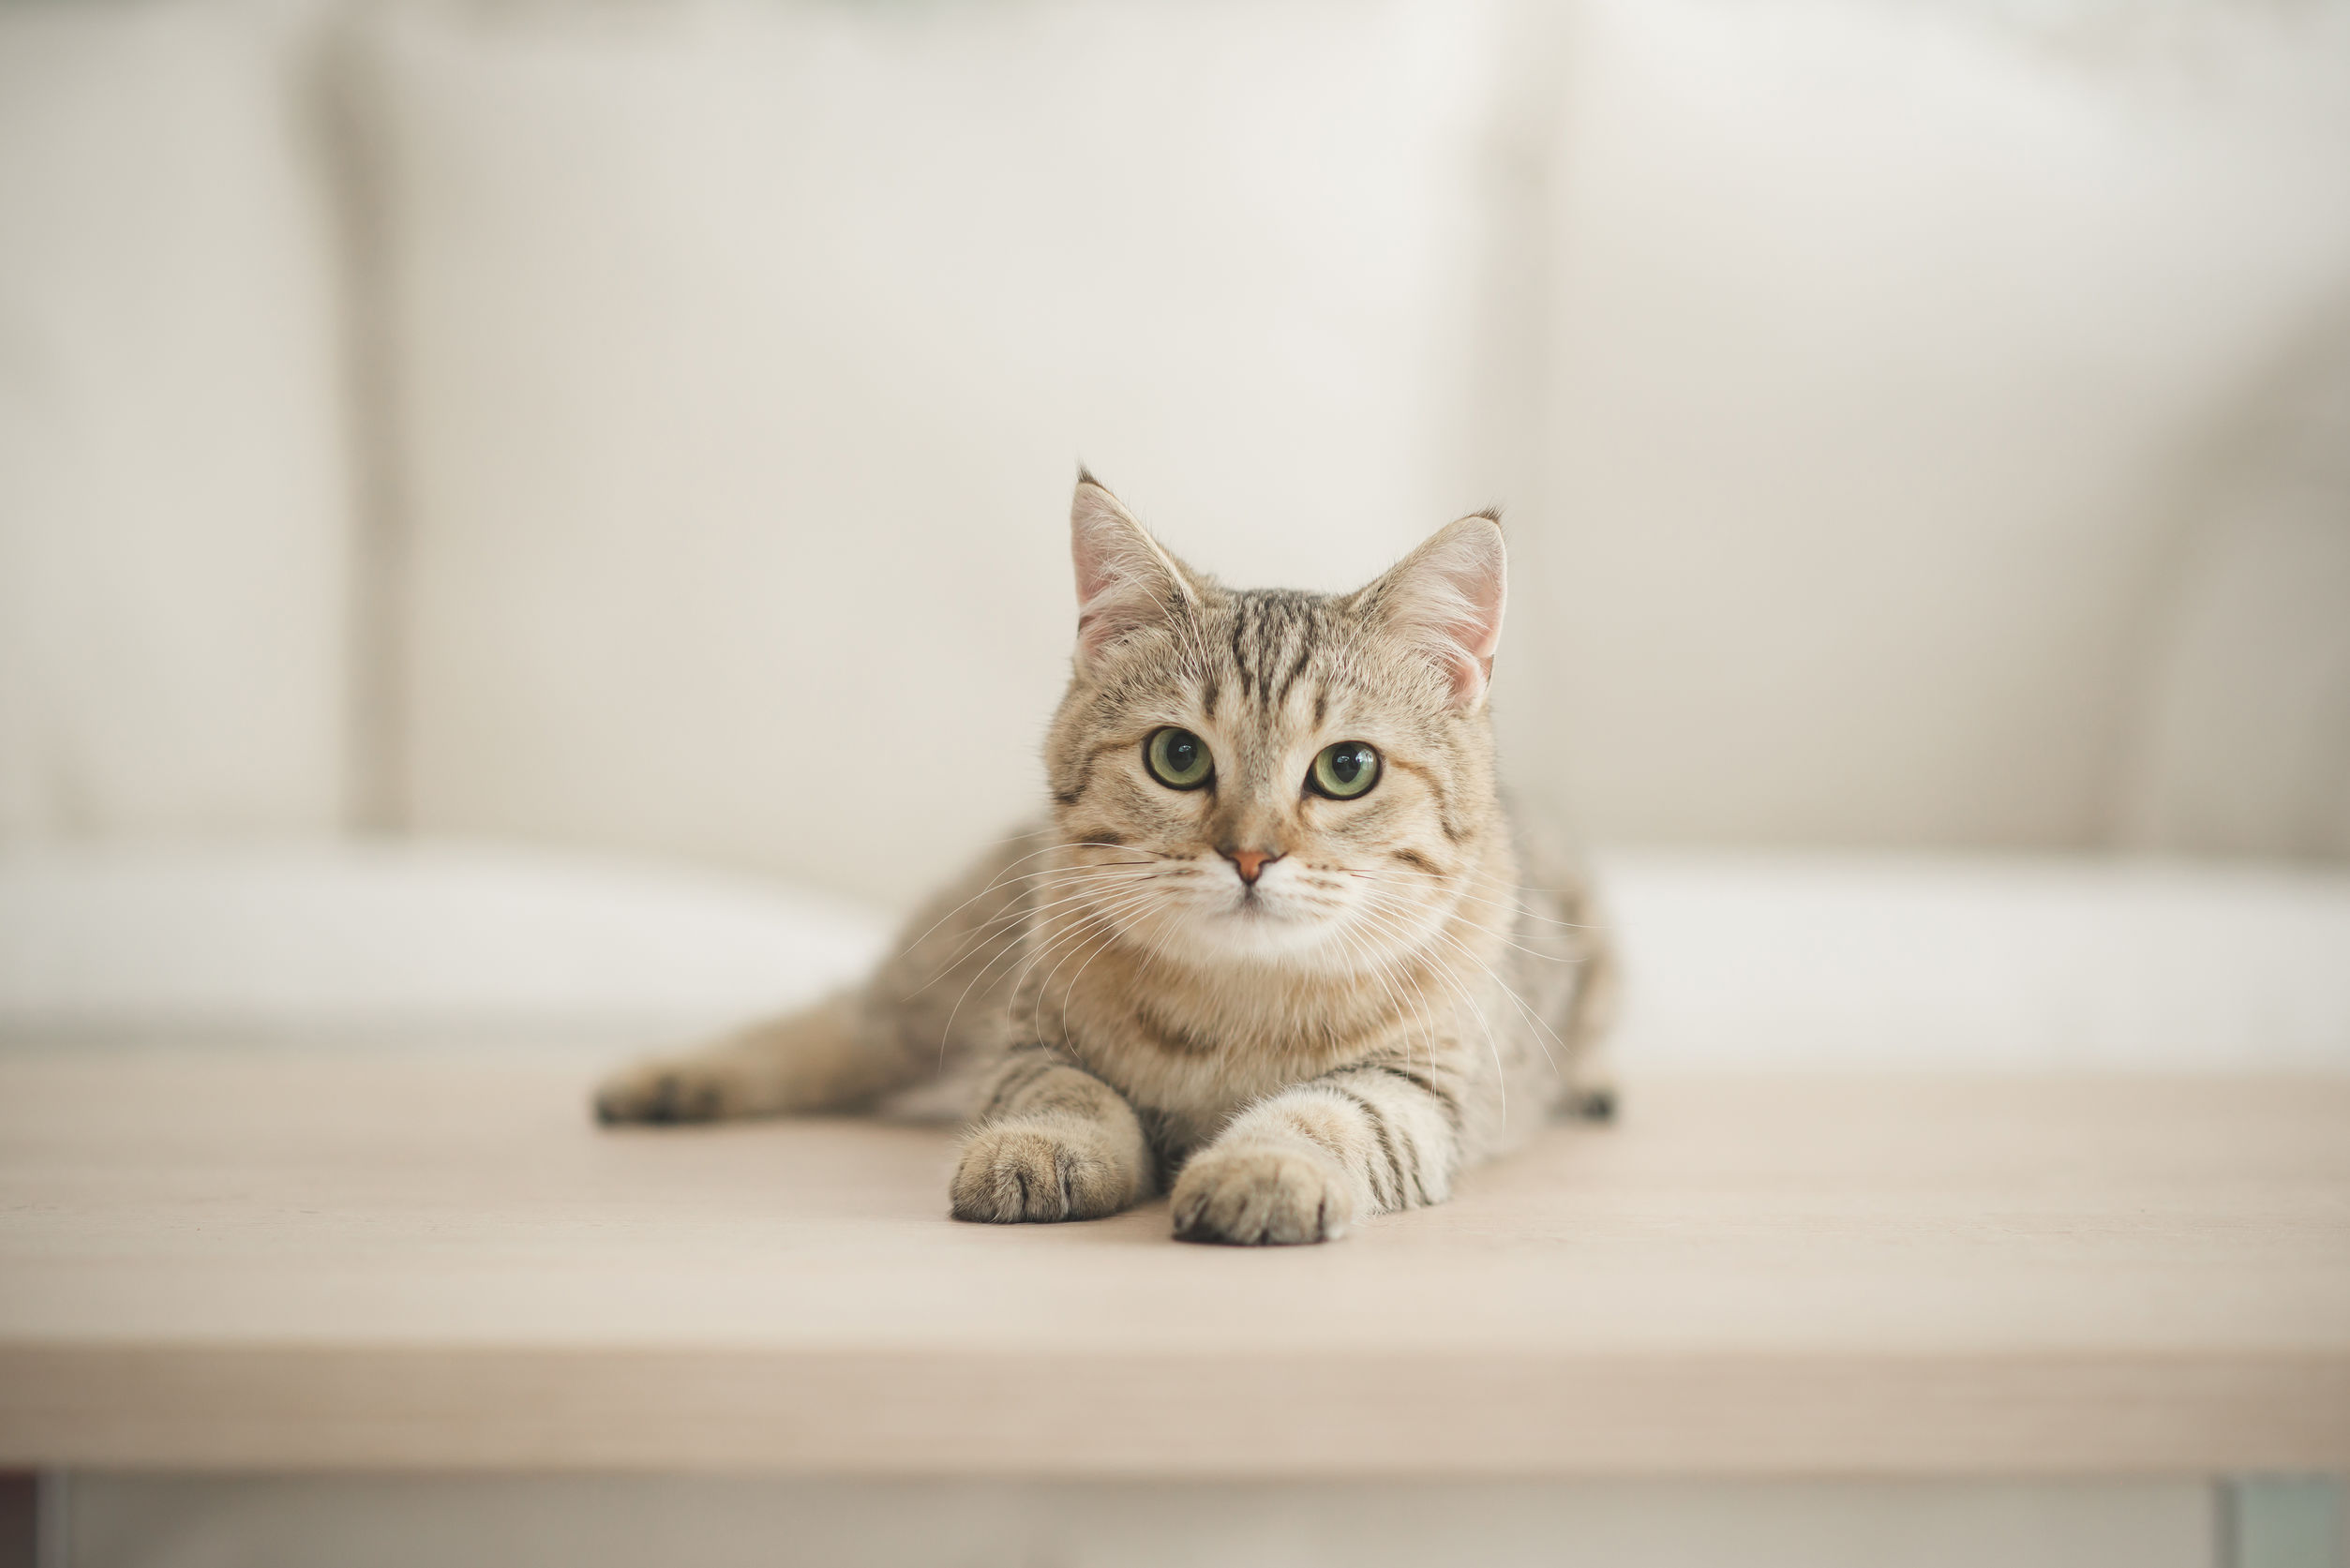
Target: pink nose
(1250, 861)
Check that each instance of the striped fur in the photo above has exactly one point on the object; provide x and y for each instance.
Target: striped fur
(1118, 1010)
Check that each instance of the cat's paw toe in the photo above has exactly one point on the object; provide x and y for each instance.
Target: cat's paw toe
(661, 1092)
(1263, 1196)
(1039, 1170)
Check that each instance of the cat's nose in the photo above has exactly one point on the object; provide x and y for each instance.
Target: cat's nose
(1250, 861)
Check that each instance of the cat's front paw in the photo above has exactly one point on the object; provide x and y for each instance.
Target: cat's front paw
(1040, 1171)
(1263, 1195)
(677, 1090)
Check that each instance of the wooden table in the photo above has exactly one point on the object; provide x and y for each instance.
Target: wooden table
(259, 1262)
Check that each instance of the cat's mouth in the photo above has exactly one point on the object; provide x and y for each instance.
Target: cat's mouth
(1251, 896)
(1256, 906)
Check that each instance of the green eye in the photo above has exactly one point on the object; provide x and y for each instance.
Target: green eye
(1344, 771)
(1177, 758)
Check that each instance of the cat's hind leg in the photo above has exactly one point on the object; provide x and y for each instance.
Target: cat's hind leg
(818, 1059)
(931, 1005)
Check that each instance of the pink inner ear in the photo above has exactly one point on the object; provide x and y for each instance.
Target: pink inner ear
(1450, 598)
(1093, 568)
(1122, 581)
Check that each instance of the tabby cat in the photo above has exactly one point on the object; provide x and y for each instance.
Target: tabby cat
(1274, 944)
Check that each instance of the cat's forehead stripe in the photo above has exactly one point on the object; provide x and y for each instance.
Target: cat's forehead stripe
(1273, 635)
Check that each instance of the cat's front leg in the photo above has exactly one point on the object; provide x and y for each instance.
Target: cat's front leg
(1300, 1165)
(1052, 1142)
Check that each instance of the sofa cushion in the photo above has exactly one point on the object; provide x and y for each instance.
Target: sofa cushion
(746, 352)
(1892, 351)
(323, 946)
(2244, 742)
(1966, 962)
(174, 499)
(1745, 961)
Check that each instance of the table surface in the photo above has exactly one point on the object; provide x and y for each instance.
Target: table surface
(272, 1261)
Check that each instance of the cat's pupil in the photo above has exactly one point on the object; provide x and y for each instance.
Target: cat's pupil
(1346, 764)
(1182, 753)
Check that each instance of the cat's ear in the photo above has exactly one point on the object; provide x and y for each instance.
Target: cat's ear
(1125, 581)
(1446, 600)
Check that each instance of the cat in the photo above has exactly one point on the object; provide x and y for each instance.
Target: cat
(1272, 946)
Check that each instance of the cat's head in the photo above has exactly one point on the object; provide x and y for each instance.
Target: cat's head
(1274, 776)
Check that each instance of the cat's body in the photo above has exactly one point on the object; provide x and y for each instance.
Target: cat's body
(1279, 945)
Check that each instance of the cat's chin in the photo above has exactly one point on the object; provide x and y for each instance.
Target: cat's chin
(1259, 935)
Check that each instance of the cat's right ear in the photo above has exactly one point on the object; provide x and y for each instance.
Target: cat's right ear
(1125, 581)
(1446, 600)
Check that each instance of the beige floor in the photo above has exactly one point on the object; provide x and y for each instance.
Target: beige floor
(1939, 1323)
(268, 1266)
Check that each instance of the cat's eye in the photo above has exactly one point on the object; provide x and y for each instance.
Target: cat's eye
(1178, 759)
(1344, 771)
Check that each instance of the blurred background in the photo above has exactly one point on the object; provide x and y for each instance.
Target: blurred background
(547, 520)
(535, 451)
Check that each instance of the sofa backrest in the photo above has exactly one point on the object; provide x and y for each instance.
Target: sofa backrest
(175, 499)
(1879, 400)
(1903, 360)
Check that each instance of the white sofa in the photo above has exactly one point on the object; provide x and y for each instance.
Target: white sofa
(503, 508)
(645, 432)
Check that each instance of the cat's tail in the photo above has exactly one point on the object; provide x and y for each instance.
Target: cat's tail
(1570, 921)
(1592, 1092)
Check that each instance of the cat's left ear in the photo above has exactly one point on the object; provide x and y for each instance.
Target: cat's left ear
(1446, 599)
(1126, 581)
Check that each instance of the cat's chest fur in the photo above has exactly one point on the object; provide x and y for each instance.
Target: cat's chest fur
(1195, 1047)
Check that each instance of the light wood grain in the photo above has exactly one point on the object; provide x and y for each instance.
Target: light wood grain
(249, 1261)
